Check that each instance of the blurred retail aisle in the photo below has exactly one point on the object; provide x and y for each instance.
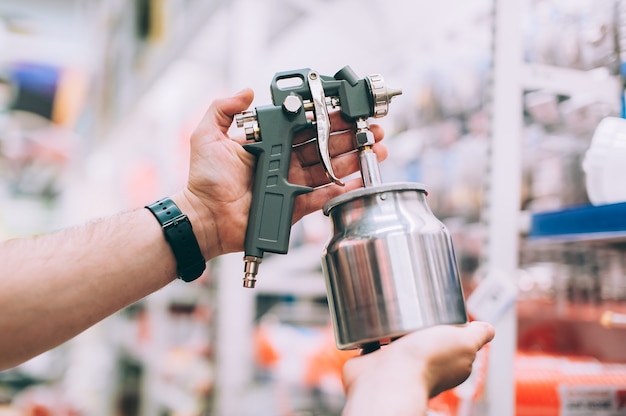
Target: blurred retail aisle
(97, 102)
(97, 105)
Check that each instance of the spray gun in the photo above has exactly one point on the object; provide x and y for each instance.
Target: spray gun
(389, 266)
(296, 94)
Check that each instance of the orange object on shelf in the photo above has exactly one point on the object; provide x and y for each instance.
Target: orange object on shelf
(553, 385)
(266, 354)
(326, 360)
(546, 385)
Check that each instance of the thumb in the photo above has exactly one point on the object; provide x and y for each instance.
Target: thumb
(222, 110)
(479, 332)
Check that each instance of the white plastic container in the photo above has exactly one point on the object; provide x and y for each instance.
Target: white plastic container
(604, 163)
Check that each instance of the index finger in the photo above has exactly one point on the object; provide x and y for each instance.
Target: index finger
(338, 123)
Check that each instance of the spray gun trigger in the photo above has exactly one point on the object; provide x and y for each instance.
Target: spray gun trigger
(322, 121)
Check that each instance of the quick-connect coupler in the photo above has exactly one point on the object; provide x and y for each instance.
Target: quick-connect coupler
(251, 270)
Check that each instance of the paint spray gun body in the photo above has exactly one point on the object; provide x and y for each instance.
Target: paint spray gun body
(389, 265)
(296, 94)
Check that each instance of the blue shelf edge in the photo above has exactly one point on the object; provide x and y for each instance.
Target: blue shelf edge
(586, 222)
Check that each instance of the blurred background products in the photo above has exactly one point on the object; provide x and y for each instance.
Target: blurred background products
(97, 103)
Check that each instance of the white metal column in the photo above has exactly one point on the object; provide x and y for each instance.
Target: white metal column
(504, 195)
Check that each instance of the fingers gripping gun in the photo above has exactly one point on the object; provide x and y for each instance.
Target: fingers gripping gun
(297, 95)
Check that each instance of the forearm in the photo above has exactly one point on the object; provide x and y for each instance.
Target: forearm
(53, 287)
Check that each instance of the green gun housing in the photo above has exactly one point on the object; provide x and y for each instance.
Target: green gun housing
(295, 94)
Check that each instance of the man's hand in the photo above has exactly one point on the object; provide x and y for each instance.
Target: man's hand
(399, 378)
(218, 194)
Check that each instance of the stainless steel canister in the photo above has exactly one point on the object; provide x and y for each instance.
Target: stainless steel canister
(389, 265)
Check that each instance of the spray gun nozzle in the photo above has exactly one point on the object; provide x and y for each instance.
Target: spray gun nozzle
(392, 92)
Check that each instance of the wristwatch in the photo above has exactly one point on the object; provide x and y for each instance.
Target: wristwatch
(190, 264)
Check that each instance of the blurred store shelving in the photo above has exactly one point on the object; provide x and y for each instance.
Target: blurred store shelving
(95, 95)
(82, 135)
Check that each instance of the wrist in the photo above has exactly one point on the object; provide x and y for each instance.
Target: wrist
(381, 396)
(179, 234)
(382, 384)
(200, 219)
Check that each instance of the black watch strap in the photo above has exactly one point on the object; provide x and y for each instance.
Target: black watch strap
(179, 235)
